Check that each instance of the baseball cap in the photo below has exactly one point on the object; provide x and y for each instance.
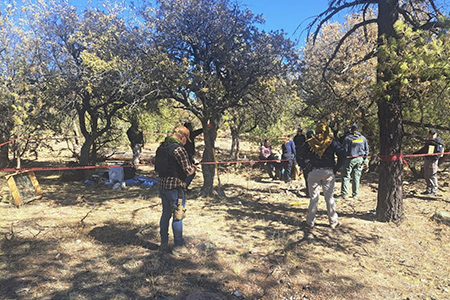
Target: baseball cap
(183, 131)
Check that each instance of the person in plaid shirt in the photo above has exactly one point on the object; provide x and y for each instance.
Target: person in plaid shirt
(173, 165)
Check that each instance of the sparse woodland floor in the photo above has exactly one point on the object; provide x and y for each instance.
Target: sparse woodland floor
(90, 242)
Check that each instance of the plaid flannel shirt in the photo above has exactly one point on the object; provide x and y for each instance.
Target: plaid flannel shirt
(182, 158)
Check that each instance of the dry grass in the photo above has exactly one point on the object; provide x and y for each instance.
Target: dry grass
(84, 242)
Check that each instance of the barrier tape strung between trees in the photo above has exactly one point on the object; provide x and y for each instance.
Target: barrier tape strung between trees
(389, 157)
(392, 157)
(8, 142)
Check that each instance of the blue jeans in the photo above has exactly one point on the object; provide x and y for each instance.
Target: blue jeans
(169, 198)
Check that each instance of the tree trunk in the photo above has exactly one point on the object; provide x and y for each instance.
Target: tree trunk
(17, 142)
(85, 151)
(75, 132)
(4, 150)
(210, 169)
(232, 146)
(390, 189)
(234, 153)
(238, 150)
(390, 185)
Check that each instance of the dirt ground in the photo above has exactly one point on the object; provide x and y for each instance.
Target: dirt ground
(92, 242)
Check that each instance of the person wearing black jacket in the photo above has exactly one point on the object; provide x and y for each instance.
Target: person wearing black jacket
(136, 138)
(299, 138)
(432, 146)
(309, 135)
(317, 156)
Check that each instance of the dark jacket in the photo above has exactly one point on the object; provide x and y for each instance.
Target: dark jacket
(438, 148)
(135, 136)
(355, 144)
(299, 140)
(309, 160)
(190, 146)
(165, 162)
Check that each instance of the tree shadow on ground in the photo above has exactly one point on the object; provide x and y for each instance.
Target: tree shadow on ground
(122, 235)
(115, 272)
(154, 276)
(20, 262)
(66, 194)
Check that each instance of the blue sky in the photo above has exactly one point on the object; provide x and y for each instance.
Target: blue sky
(287, 14)
(279, 14)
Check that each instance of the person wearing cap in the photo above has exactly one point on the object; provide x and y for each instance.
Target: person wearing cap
(136, 138)
(318, 157)
(357, 150)
(173, 166)
(432, 146)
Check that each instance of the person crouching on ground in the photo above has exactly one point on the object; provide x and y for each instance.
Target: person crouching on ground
(173, 166)
(318, 156)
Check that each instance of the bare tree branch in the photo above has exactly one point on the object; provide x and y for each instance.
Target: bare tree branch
(426, 125)
(332, 11)
(342, 40)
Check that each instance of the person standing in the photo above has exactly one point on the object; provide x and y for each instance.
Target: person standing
(357, 149)
(190, 148)
(136, 138)
(432, 146)
(299, 138)
(309, 135)
(289, 154)
(173, 166)
(318, 157)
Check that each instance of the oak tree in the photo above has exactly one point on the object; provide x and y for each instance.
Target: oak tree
(215, 56)
(94, 66)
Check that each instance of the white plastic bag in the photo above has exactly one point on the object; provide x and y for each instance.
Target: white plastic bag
(116, 174)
